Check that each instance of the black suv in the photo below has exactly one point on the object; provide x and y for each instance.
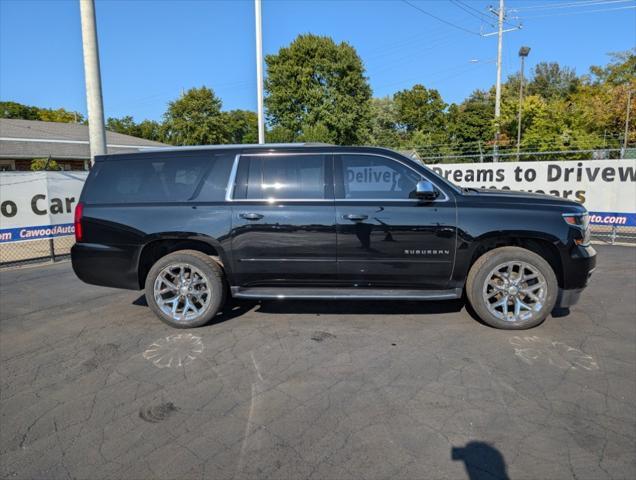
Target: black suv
(194, 224)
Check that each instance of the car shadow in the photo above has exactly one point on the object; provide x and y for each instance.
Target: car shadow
(481, 460)
(360, 307)
(235, 308)
(230, 310)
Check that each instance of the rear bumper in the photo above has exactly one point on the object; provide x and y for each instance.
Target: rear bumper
(106, 265)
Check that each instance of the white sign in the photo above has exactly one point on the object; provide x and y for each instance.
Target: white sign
(607, 188)
(36, 205)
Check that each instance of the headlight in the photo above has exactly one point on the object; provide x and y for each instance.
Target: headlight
(581, 221)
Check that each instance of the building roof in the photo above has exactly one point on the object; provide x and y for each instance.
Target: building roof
(64, 141)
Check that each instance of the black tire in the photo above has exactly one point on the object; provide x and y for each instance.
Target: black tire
(213, 277)
(484, 266)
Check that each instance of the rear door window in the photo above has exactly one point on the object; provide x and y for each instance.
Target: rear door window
(283, 177)
(159, 179)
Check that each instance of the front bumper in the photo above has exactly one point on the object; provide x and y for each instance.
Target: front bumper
(568, 298)
(578, 265)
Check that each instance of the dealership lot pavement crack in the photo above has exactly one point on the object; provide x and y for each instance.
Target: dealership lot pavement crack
(93, 386)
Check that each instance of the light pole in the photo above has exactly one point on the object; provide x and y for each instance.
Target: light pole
(523, 53)
(259, 71)
(96, 131)
(626, 137)
(500, 21)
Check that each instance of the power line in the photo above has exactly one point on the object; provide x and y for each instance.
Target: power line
(475, 13)
(389, 64)
(432, 80)
(406, 46)
(602, 10)
(586, 3)
(459, 27)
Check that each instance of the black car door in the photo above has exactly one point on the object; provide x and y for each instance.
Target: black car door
(283, 220)
(386, 237)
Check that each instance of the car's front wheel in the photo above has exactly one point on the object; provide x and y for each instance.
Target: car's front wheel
(185, 289)
(512, 288)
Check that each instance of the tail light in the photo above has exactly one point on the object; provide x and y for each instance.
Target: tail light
(79, 212)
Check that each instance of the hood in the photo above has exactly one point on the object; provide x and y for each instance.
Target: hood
(515, 197)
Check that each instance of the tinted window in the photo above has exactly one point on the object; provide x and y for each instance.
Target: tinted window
(371, 177)
(168, 179)
(286, 177)
(215, 183)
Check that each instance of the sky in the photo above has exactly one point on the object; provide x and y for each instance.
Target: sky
(151, 50)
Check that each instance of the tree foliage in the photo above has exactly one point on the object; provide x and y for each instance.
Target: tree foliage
(317, 89)
(40, 164)
(241, 126)
(550, 80)
(28, 112)
(420, 109)
(317, 92)
(148, 129)
(195, 119)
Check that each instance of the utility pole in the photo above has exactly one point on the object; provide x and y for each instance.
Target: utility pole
(523, 53)
(96, 131)
(629, 106)
(259, 71)
(500, 22)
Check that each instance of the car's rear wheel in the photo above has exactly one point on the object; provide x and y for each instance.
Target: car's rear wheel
(512, 288)
(185, 289)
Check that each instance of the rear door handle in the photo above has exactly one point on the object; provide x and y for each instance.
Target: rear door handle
(251, 216)
(355, 217)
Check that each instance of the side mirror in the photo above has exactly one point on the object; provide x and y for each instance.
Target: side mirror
(425, 190)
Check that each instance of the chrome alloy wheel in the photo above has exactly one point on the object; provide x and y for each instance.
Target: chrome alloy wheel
(182, 292)
(514, 291)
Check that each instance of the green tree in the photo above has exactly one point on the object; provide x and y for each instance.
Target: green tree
(19, 111)
(621, 69)
(385, 131)
(195, 119)
(420, 109)
(242, 126)
(148, 129)
(60, 115)
(550, 80)
(125, 125)
(279, 134)
(316, 133)
(27, 112)
(471, 123)
(314, 82)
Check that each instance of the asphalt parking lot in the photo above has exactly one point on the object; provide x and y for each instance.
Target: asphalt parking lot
(94, 386)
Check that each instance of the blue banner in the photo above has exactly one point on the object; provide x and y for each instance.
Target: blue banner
(613, 218)
(39, 232)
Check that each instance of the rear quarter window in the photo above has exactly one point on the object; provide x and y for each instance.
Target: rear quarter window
(159, 179)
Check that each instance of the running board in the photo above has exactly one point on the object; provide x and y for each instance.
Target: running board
(291, 293)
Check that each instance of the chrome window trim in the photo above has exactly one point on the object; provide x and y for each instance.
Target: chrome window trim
(232, 181)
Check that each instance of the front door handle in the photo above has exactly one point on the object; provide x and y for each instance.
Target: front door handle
(251, 216)
(355, 217)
